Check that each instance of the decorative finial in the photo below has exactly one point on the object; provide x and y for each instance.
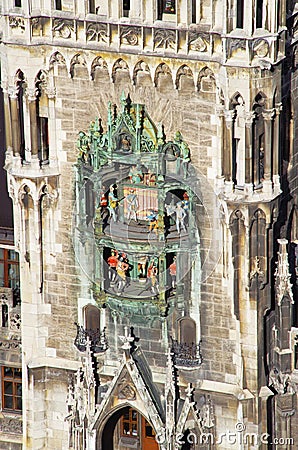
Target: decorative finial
(127, 339)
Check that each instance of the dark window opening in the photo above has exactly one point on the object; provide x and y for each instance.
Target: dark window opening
(193, 12)
(259, 18)
(18, 3)
(92, 6)
(126, 8)
(43, 139)
(12, 389)
(240, 14)
(58, 5)
(4, 318)
(187, 331)
(159, 9)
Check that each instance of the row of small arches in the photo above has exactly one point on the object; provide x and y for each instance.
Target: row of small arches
(141, 68)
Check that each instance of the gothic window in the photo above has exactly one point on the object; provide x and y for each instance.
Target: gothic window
(240, 13)
(42, 118)
(237, 228)
(259, 15)
(258, 140)
(126, 8)
(238, 140)
(18, 3)
(92, 318)
(11, 389)
(9, 268)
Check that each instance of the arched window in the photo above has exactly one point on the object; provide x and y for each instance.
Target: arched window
(20, 99)
(187, 331)
(92, 318)
(42, 121)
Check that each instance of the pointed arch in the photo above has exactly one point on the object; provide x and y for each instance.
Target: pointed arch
(57, 59)
(99, 66)
(120, 70)
(206, 81)
(184, 78)
(163, 75)
(78, 65)
(141, 73)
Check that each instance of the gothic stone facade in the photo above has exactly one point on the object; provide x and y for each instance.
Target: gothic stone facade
(205, 94)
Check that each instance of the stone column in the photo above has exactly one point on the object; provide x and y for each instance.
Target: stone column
(7, 118)
(51, 93)
(16, 134)
(227, 149)
(33, 124)
(268, 116)
(248, 185)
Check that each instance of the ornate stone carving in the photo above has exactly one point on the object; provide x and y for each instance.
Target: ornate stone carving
(17, 22)
(165, 39)
(140, 68)
(162, 70)
(58, 59)
(183, 71)
(98, 64)
(62, 28)
(283, 286)
(37, 26)
(130, 35)
(197, 42)
(11, 425)
(13, 345)
(77, 60)
(261, 48)
(281, 382)
(97, 339)
(235, 44)
(119, 66)
(207, 414)
(186, 355)
(15, 321)
(126, 390)
(97, 32)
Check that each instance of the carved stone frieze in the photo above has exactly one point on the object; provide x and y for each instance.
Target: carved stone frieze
(97, 32)
(17, 22)
(62, 28)
(11, 425)
(12, 345)
(37, 26)
(165, 39)
(197, 41)
(130, 35)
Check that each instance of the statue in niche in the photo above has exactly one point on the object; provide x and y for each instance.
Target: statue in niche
(152, 218)
(152, 275)
(122, 268)
(113, 262)
(113, 203)
(173, 272)
(135, 174)
(83, 146)
(125, 142)
(180, 216)
(132, 205)
(142, 263)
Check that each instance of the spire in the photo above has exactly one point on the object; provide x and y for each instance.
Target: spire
(283, 287)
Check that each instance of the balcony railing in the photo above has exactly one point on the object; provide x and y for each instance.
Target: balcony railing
(186, 354)
(97, 338)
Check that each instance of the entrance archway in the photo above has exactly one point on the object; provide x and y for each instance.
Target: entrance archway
(127, 428)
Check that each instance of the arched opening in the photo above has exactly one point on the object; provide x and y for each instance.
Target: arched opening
(240, 14)
(187, 331)
(92, 318)
(127, 428)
